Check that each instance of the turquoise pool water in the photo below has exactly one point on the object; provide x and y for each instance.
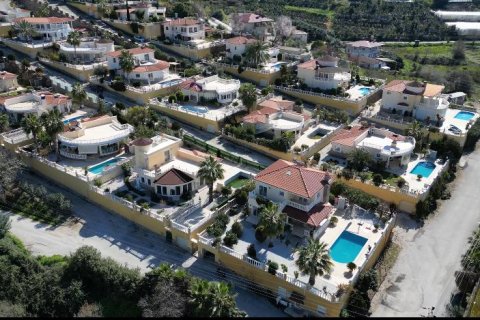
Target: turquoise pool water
(364, 91)
(277, 66)
(72, 119)
(195, 109)
(464, 115)
(98, 168)
(424, 169)
(346, 247)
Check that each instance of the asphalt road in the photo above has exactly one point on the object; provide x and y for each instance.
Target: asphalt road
(423, 275)
(126, 243)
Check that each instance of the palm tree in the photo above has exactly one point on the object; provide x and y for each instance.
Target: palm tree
(314, 259)
(25, 29)
(78, 93)
(32, 125)
(53, 124)
(213, 299)
(256, 54)
(273, 222)
(126, 62)
(210, 170)
(73, 39)
(128, 10)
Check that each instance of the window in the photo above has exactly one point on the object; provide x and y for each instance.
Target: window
(143, 180)
(282, 194)
(195, 29)
(183, 29)
(190, 30)
(137, 75)
(114, 60)
(177, 190)
(378, 155)
(166, 28)
(167, 155)
(262, 191)
(149, 182)
(164, 190)
(404, 97)
(150, 76)
(146, 57)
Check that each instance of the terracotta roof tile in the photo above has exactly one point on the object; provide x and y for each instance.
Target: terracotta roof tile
(182, 22)
(314, 217)
(160, 65)
(302, 181)
(42, 20)
(252, 18)
(348, 136)
(240, 40)
(173, 177)
(4, 75)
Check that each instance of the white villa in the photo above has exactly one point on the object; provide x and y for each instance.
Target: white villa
(294, 54)
(147, 69)
(8, 81)
(35, 103)
(237, 46)
(166, 168)
(51, 28)
(300, 192)
(211, 88)
(150, 11)
(88, 51)
(277, 116)
(323, 73)
(185, 29)
(93, 137)
(381, 144)
(253, 24)
(363, 48)
(422, 100)
(11, 14)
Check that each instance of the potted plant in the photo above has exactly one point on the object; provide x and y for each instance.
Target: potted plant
(296, 274)
(376, 226)
(351, 266)
(333, 221)
(419, 177)
(341, 289)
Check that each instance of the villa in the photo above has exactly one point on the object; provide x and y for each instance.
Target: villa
(253, 24)
(276, 116)
(93, 137)
(419, 100)
(299, 35)
(11, 14)
(294, 54)
(363, 48)
(88, 51)
(301, 193)
(34, 103)
(381, 144)
(211, 88)
(149, 12)
(323, 73)
(147, 69)
(185, 29)
(50, 28)
(8, 81)
(237, 46)
(166, 168)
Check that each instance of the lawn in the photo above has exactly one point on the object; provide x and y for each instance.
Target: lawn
(475, 310)
(317, 11)
(237, 183)
(388, 178)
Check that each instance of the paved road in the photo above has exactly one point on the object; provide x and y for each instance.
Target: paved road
(423, 275)
(123, 241)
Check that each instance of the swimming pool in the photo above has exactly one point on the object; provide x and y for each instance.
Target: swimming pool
(464, 115)
(424, 169)
(347, 247)
(364, 91)
(98, 168)
(72, 119)
(277, 66)
(195, 109)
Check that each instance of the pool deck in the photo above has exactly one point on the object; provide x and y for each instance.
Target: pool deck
(451, 120)
(355, 92)
(305, 137)
(213, 113)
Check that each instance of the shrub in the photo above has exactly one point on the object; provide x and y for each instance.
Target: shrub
(118, 86)
(260, 234)
(230, 239)
(226, 191)
(333, 221)
(347, 174)
(401, 182)
(316, 156)
(251, 251)
(297, 149)
(351, 266)
(154, 197)
(172, 99)
(272, 267)
(377, 179)
(97, 182)
(368, 281)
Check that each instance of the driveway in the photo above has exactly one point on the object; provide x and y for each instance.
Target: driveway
(423, 275)
(126, 243)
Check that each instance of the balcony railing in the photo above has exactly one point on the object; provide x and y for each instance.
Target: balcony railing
(73, 155)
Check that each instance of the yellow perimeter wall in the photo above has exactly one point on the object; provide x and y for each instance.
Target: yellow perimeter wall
(4, 30)
(404, 202)
(262, 149)
(82, 75)
(186, 52)
(262, 79)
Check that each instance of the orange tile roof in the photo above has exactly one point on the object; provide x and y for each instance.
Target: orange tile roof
(347, 136)
(133, 51)
(160, 65)
(182, 22)
(314, 217)
(302, 181)
(191, 85)
(430, 90)
(276, 103)
(42, 20)
(240, 40)
(252, 18)
(310, 64)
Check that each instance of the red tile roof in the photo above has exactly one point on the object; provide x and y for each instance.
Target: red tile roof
(240, 40)
(133, 51)
(269, 106)
(277, 103)
(160, 65)
(4, 75)
(302, 181)
(314, 217)
(348, 136)
(191, 85)
(42, 20)
(182, 22)
(173, 177)
(430, 90)
(252, 18)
